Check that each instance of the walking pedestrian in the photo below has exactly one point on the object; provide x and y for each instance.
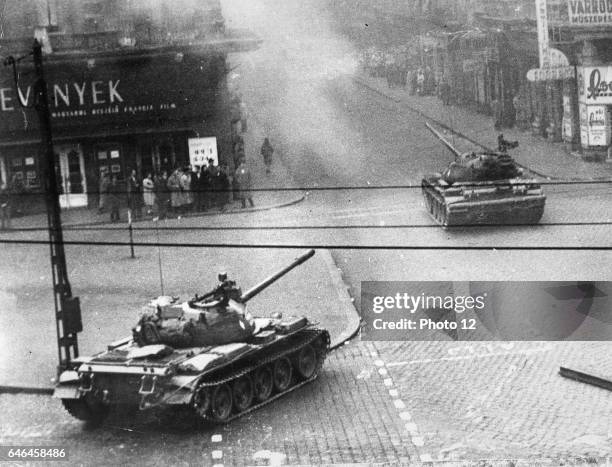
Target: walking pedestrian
(114, 199)
(267, 151)
(148, 190)
(5, 205)
(242, 181)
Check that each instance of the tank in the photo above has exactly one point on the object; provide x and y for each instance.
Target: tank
(484, 188)
(219, 370)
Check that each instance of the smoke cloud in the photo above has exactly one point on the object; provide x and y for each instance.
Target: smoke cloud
(290, 77)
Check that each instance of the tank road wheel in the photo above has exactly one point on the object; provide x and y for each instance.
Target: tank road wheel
(201, 402)
(306, 362)
(93, 412)
(282, 374)
(242, 392)
(263, 383)
(221, 403)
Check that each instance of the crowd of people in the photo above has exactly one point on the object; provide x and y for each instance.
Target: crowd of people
(184, 190)
(396, 66)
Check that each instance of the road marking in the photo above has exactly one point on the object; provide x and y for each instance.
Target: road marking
(216, 455)
(411, 428)
(471, 357)
(216, 438)
(273, 458)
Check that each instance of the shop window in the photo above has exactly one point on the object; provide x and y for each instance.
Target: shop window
(24, 171)
(110, 161)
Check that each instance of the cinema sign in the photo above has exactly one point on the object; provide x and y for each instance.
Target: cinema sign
(590, 12)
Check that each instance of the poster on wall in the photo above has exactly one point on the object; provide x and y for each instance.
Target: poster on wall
(201, 150)
(594, 125)
(595, 84)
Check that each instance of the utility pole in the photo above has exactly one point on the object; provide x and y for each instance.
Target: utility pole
(67, 307)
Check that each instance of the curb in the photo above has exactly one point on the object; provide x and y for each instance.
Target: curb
(270, 207)
(365, 84)
(346, 302)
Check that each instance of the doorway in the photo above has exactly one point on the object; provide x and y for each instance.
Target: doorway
(73, 185)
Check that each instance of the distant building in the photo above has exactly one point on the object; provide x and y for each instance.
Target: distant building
(130, 82)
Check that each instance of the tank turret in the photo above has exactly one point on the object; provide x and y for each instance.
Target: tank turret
(215, 318)
(478, 166)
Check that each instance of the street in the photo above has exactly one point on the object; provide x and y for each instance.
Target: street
(359, 158)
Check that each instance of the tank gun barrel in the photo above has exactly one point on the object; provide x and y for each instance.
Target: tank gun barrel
(270, 280)
(438, 135)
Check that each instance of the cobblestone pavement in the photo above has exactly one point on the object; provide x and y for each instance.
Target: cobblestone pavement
(345, 416)
(473, 401)
(409, 403)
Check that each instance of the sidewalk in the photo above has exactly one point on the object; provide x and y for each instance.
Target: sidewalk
(280, 178)
(546, 159)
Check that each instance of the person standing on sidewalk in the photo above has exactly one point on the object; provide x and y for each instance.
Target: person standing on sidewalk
(445, 91)
(103, 188)
(496, 109)
(5, 206)
(243, 184)
(162, 195)
(267, 151)
(114, 199)
(243, 117)
(420, 81)
(148, 187)
(134, 195)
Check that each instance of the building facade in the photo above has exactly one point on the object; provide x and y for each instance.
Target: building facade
(129, 83)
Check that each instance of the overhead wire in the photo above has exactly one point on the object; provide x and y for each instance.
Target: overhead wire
(318, 246)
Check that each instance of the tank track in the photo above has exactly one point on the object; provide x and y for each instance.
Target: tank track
(435, 205)
(310, 335)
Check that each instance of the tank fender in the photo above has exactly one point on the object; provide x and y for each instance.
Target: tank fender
(68, 386)
(180, 390)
